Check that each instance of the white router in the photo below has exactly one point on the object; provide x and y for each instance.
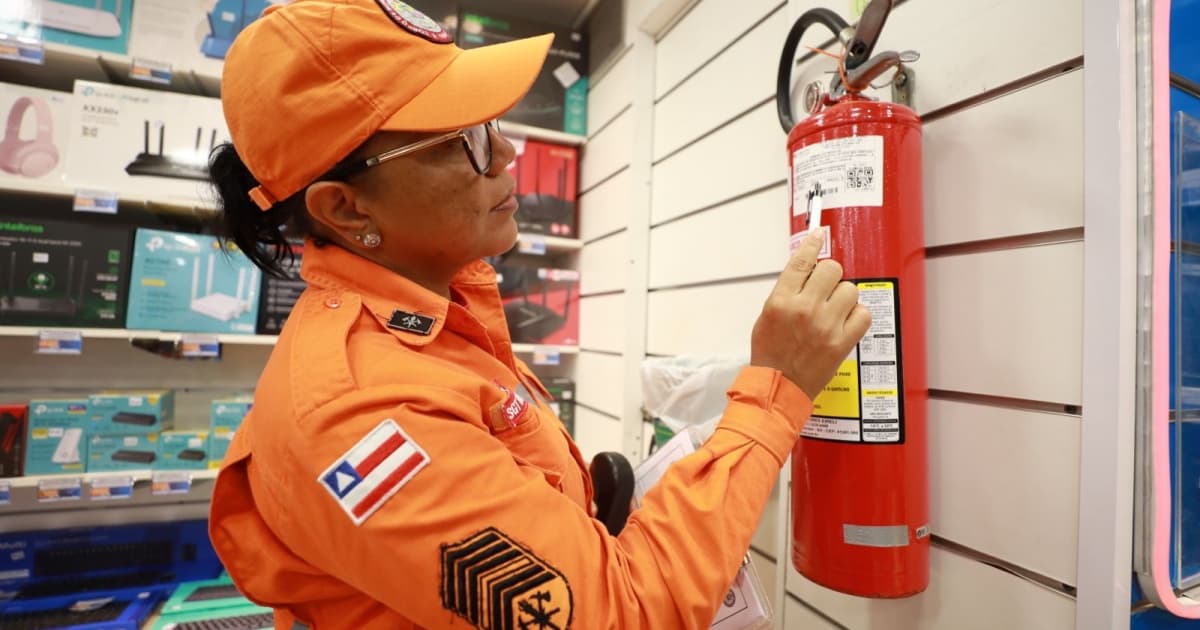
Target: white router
(68, 449)
(69, 17)
(218, 305)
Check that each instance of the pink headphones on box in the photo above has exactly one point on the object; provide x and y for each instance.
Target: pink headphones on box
(30, 158)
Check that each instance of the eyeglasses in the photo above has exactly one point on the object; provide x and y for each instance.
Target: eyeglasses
(477, 141)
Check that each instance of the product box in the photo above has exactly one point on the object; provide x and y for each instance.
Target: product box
(109, 453)
(101, 25)
(34, 148)
(131, 413)
(226, 416)
(540, 305)
(547, 181)
(143, 143)
(12, 439)
(190, 34)
(558, 98)
(279, 295)
(191, 283)
(54, 273)
(562, 393)
(57, 436)
(182, 450)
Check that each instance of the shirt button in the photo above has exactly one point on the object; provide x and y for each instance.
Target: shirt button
(333, 302)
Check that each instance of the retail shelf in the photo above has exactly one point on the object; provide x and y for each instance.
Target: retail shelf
(125, 333)
(541, 243)
(17, 186)
(28, 509)
(533, 348)
(537, 133)
(64, 64)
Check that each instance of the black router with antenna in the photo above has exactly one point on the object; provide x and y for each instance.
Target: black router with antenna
(162, 165)
(538, 211)
(64, 305)
(531, 322)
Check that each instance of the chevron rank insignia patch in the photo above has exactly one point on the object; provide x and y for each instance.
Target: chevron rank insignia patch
(497, 584)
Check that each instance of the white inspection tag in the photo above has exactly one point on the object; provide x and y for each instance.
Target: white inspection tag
(848, 172)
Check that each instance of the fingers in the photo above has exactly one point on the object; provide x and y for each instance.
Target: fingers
(801, 265)
(843, 300)
(858, 322)
(823, 280)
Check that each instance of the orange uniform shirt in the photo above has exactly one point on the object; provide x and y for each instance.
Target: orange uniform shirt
(400, 469)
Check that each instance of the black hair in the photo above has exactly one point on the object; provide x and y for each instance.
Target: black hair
(262, 235)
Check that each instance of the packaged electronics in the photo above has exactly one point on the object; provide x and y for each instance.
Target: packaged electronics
(280, 294)
(54, 273)
(57, 437)
(143, 143)
(204, 596)
(12, 439)
(129, 413)
(562, 393)
(35, 133)
(191, 283)
(107, 453)
(226, 416)
(96, 24)
(540, 305)
(182, 450)
(547, 179)
(193, 35)
(558, 98)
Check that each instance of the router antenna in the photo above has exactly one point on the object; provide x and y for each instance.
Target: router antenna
(70, 275)
(199, 134)
(212, 141)
(12, 274)
(162, 128)
(82, 283)
(195, 276)
(146, 137)
(208, 283)
(546, 289)
(567, 305)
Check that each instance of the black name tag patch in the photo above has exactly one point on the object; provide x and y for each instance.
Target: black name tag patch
(411, 322)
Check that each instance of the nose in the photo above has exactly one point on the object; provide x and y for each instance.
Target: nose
(503, 153)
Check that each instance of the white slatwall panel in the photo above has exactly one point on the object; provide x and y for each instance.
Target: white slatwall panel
(610, 94)
(980, 499)
(602, 323)
(766, 536)
(698, 248)
(596, 433)
(963, 594)
(604, 265)
(607, 152)
(975, 159)
(605, 208)
(713, 319)
(799, 617)
(746, 73)
(701, 34)
(748, 154)
(1007, 323)
(599, 381)
(765, 568)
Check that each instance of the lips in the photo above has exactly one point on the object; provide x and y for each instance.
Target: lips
(508, 205)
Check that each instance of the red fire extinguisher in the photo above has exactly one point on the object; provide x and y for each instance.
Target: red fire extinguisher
(860, 504)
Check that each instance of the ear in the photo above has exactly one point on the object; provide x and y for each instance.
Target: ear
(334, 205)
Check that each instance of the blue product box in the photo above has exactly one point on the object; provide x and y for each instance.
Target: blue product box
(227, 415)
(130, 413)
(57, 437)
(182, 450)
(191, 283)
(107, 453)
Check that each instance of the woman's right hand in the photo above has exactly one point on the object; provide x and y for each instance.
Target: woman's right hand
(811, 320)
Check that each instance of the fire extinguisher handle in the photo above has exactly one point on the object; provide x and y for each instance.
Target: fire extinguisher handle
(866, 34)
(783, 82)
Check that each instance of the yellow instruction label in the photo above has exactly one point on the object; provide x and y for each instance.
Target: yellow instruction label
(840, 397)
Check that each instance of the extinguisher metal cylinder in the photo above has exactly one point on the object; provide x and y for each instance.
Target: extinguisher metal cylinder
(860, 499)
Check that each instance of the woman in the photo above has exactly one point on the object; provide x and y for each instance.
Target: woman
(400, 467)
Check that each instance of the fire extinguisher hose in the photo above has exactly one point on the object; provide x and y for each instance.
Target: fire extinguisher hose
(783, 84)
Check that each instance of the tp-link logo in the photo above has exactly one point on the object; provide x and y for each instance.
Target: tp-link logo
(221, 409)
(89, 90)
(155, 243)
(41, 409)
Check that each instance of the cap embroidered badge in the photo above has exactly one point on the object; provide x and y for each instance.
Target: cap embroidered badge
(415, 22)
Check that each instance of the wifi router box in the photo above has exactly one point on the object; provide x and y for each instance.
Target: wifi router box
(226, 416)
(192, 34)
(108, 453)
(57, 439)
(279, 295)
(182, 450)
(143, 143)
(62, 274)
(191, 283)
(541, 305)
(127, 413)
(547, 177)
(101, 25)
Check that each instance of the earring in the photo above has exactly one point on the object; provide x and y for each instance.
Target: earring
(370, 240)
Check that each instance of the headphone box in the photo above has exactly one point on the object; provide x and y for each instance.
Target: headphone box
(57, 436)
(547, 178)
(54, 273)
(130, 413)
(191, 34)
(191, 283)
(101, 25)
(279, 295)
(12, 439)
(182, 450)
(35, 135)
(110, 453)
(143, 143)
(558, 98)
(541, 305)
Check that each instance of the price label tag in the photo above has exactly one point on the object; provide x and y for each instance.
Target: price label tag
(5, 492)
(199, 346)
(150, 71)
(546, 357)
(60, 342)
(22, 48)
(532, 245)
(111, 488)
(63, 489)
(100, 201)
(170, 482)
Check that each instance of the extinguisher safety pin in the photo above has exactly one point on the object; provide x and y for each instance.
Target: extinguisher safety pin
(815, 205)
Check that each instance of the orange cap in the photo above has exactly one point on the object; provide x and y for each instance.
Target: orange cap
(308, 82)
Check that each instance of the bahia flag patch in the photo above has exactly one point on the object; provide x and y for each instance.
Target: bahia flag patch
(368, 474)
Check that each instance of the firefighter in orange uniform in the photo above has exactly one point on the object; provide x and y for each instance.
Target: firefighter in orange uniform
(400, 467)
